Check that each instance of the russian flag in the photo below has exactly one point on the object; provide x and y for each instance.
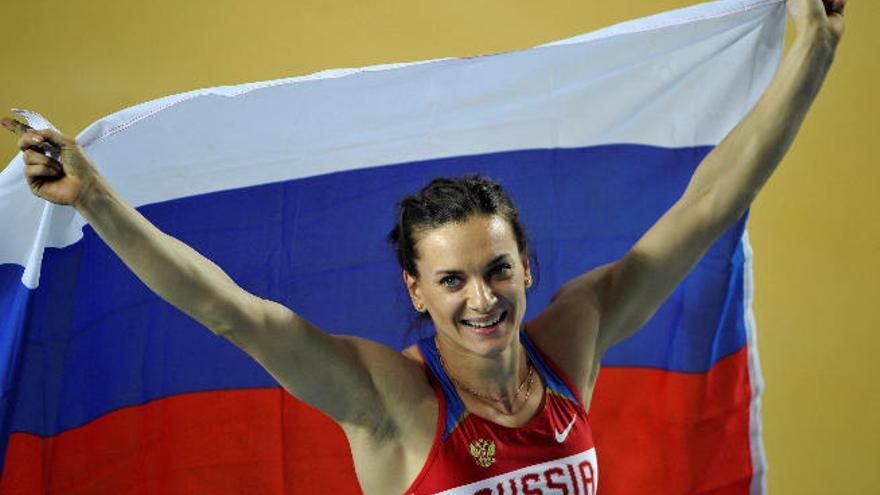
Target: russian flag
(290, 186)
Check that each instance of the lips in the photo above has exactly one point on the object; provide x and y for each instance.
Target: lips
(485, 325)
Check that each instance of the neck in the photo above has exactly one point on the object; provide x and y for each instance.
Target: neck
(501, 380)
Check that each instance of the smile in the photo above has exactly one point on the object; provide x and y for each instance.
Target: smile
(486, 324)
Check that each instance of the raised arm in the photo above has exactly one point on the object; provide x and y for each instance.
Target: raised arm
(333, 374)
(626, 293)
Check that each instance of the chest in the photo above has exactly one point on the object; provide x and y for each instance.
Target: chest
(553, 453)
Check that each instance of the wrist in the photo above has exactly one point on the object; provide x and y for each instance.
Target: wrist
(92, 195)
(818, 38)
(815, 47)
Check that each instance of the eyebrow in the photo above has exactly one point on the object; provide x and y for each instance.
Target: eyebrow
(495, 260)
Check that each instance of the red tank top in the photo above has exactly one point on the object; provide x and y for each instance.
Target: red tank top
(551, 454)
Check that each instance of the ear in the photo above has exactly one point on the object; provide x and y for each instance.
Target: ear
(412, 286)
(527, 270)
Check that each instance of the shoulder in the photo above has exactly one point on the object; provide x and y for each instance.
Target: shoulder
(413, 354)
(567, 330)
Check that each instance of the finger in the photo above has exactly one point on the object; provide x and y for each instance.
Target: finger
(15, 126)
(36, 171)
(34, 158)
(30, 140)
(46, 141)
(39, 165)
(55, 137)
(54, 142)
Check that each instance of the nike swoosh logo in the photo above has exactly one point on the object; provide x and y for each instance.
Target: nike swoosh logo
(560, 437)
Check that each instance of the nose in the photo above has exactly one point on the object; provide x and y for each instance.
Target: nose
(481, 297)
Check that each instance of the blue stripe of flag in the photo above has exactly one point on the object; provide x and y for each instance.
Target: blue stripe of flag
(97, 339)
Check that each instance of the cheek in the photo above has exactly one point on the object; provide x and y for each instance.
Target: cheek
(521, 297)
(512, 294)
(444, 303)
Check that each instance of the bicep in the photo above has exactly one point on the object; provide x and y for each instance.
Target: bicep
(337, 375)
(633, 288)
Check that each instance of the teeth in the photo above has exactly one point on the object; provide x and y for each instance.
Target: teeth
(484, 324)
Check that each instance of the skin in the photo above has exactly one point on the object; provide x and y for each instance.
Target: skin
(474, 271)
(382, 398)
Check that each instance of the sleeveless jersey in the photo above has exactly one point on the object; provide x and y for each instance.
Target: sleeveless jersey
(551, 454)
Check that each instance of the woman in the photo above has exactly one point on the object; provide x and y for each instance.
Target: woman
(487, 383)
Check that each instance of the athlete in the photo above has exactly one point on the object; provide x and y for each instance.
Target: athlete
(491, 404)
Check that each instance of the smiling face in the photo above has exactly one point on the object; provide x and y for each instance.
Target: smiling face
(472, 283)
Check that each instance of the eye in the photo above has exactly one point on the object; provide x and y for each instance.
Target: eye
(504, 269)
(450, 281)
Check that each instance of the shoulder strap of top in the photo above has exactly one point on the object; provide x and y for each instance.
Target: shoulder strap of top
(556, 379)
(454, 407)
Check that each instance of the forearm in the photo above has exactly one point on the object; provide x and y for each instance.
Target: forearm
(729, 178)
(170, 268)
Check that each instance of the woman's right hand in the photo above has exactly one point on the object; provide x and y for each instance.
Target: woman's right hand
(64, 181)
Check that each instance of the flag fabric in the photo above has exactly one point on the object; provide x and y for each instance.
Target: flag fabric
(291, 185)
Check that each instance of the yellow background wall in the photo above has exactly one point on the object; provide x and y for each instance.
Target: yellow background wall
(814, 228)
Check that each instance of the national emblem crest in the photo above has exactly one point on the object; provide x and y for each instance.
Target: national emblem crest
(483, 451)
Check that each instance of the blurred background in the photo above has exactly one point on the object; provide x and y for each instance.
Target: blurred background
(815, 228)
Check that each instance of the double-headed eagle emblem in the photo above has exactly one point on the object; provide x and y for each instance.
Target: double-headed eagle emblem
(483, 451)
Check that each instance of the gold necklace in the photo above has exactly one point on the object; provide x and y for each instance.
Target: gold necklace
(527, 383)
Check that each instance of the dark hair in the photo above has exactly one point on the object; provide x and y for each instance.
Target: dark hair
(446, 200)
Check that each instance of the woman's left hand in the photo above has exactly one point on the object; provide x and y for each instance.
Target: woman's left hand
(822, 17)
